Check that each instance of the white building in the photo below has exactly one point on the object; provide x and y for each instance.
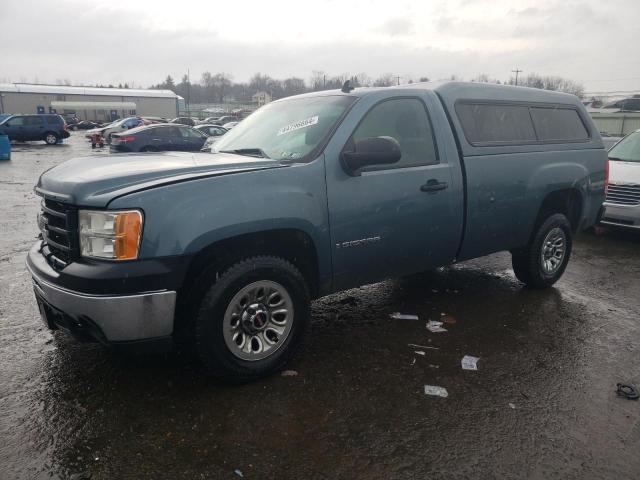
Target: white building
(88, 103)
(261, 98)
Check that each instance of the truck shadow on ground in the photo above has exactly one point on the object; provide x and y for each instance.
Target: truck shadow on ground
(358, 380)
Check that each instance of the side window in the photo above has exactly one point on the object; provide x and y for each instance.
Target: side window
(34, 121)
(483, 123)
(190, 133)
(558, 124)
(15, 122)
(54, 120)
(405, 120)
(170, 132)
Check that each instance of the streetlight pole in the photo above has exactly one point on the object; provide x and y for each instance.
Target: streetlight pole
(516, 71)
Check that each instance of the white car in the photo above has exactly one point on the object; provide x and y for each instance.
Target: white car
(115, 127)
(622, 205)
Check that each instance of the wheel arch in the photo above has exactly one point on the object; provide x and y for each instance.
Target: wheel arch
(294, 245)
(568, 201)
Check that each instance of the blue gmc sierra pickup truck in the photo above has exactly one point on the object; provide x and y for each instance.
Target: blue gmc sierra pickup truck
(311, 195)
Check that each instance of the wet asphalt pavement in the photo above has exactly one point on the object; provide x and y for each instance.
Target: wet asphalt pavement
(357, 407)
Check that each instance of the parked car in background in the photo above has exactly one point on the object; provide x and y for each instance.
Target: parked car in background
(622, 204)
(209, 145)
(48, 127)
(312, 195)
(211, 130)
(609, 140)
(156, 119)
(118, 126)
(230, 125)
(85, 125)
(210, 121)
(158, 138)
(184, 121)
(625, 105)
(70, 118)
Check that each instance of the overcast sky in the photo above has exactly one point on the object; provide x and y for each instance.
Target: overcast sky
(591, 41)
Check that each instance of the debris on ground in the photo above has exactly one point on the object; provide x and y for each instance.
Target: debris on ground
(402, 316)
(238, 472)
(414, 361)
(448, 319)
(289, 373)
(422, 346)
(469, 363)
(434, 366)
(420, 352)
(512, 406)
(436, 391)
(628, 391)
(435, 327)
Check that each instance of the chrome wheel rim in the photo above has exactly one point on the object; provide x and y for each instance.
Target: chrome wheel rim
(258, 320)
(554, 248)
(51, 138)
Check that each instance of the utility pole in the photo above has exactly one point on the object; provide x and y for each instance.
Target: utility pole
(188, 89)
(398, 77)
(324, 81)
(516, 71)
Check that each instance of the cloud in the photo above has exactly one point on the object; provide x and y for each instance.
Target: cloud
(397, 26)
(144, 40)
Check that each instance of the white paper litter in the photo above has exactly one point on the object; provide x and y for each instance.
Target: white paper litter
(420, 352)
(469, 363)
(422, 346)
(435, 327)
(402, 316)
(436, 391)
(512, 405)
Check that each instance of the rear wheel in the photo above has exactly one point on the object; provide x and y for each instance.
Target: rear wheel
(50, 138)
(251, 319)
(543, 261)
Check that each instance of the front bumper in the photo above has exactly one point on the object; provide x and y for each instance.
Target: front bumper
(627, 216)
(115, 316)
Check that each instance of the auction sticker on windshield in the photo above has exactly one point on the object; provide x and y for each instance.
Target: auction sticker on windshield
(298, 125)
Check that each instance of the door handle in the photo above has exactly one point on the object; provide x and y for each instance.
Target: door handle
(433, 186)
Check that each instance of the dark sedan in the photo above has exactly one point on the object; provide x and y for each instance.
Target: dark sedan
(158, 138)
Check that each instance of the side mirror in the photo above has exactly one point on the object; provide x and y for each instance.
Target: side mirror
(371, 151)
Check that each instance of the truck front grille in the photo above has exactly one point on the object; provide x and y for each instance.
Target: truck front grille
(624, 194)
(59, 225)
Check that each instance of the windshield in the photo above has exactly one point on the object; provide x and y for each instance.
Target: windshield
(287, 129)
(628, 149)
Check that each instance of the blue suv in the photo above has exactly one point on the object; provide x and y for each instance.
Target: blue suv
(50, 128)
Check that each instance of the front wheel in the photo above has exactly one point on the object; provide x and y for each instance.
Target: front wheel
(252, 318)
(542, 262)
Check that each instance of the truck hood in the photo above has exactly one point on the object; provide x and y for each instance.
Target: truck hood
(96, 180)
(621, 172)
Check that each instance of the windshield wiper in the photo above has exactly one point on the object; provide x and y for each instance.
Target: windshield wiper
(249, 152)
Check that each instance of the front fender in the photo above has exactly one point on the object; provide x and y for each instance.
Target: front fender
(183, 218)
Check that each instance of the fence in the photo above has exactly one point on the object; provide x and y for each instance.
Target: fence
(620, 123)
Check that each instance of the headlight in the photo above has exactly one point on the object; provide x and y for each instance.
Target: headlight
(111, 235)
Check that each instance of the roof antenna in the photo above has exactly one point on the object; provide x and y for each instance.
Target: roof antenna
(346, 86)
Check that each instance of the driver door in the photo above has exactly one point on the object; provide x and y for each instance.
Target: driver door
(388, 221)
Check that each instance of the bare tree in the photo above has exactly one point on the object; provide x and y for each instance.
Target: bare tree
(385, 80)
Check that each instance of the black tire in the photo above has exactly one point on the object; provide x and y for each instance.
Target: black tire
(211, 346)
(51, 138)
(527, 262)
